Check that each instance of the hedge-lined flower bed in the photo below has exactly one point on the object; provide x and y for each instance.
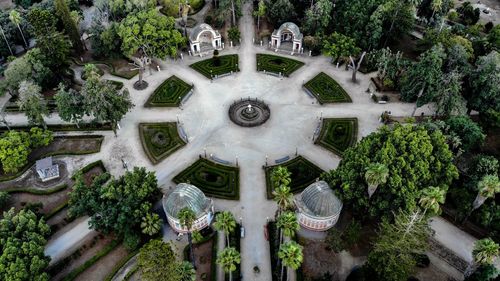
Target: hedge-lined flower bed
(159, 140)
(227, 64)
(277, 64)
(215, 180)
(303, 173)
(169, 93)
(326, 89)
(338, 134)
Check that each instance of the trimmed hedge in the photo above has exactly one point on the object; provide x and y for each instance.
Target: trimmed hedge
(65, 127)
(91, 166)
(277, 64)
(36, 191)
(228, 63)
(213, 179)
(169, 93)
(326, 89)
(103, 252)
(159, 140)
(303, 173)
(31, 162)
(338, 134)
(120, 264)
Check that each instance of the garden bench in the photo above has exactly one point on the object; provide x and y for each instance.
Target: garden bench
(221, 161)
(382, 102)
(281, 160)
(308, 92)
(183, 134)
(186, 97)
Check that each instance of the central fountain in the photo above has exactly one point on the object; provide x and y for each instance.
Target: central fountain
(249, 112)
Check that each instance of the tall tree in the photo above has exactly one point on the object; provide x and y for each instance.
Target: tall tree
(104, 101)
(69, 104)
(416, 158)
(69, 25)
(288, 223)
(449, 99)
(487, 188)
(23, 236)
(186, 271)
(151, 224)
(339, 47)
(228, 259)
(485, 251)
(280, 176)
(393, 255)
(375, 175)
(260, 12)
(318, 17)
(484, 81)
(17, 71)
(283, 198)
(291, 256)
(32, 103)
(282, 11)
(15, 18)
(431, 198)
(6, 41)
(186, 219)
(156, 261)
(225, 222)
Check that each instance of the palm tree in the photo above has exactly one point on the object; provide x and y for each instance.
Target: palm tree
(225, 222)
(436, 6)
(186, 272)
(228, 258)
(488, 186)
(485, 251)
(151, 224)
(283, 197)
(15, 18)
(291, 256)
(6, 42)
(280, 176)
(288, 223)
(186, 219)
(375, 175)
(431, 198)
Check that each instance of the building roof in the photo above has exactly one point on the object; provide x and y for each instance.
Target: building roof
(45, 163)
(185, 195)
(292, 27)
(200, 28)
(319, 200)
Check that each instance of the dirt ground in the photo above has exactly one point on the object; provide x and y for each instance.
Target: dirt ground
(101, 269)
(203, 256)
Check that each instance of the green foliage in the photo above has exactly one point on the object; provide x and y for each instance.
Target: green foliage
(213, 179)
(32, 103)
(234, 34)
(151, 224)
(186, 218)
(170, 93)
(226, 223)
(416, 158)
(159, 140)
(469, 132)
(302, 174)
(4, 198)
(485, 251)
(338, 134)
(290, 254)
(157, 261)
(468, 15)
(105, 40)
(117, 206)
(228, 63)
(339, 47)
(483, 165)
(424, 77)
(318, 17)
(484, 83)
(344, 240)
(484, 273)
(62, 10)
(431, 198)
(186, 271)
(228, 259)
(277, 64)
(448, 97)
(326, 89)
(22, 242)
(391, 66)
(288, 223)
(393, 255)
(281, 11)
(280, 176)
(69, 104)
(151, 33)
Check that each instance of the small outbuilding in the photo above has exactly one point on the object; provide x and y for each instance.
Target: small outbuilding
(204, 38)
(318, 207)
(288, 32)
(46, 169)
(187, 195)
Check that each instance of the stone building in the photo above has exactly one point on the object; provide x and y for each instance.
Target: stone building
(288, 32)
(204, 38)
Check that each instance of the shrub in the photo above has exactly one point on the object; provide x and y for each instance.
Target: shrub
(159, 140)
(385, 98)
(169, 93)
(207, 68)
(338, 134)
(374, 98)
(234, 34)
(277, 64)
(326, 89)
(422, 260)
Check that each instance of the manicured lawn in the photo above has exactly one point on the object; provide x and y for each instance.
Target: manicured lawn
(303, 173)
(215, 180)
(277, 64)
(338, 134)
(326, 89)
(206, 67)
(159, 140)
(169, 93)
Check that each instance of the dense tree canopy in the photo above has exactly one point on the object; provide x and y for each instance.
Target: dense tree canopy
(32, 103)
(416, 158)
(22, 242)
(484, 83)
(157, 261)
(117, 206)
(151, 33)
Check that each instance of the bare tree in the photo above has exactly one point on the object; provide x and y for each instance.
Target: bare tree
(355, 67)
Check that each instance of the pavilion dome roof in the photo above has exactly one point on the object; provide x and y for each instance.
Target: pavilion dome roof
(186, 195)
(319, 200)
(200, 28)
(290, 26)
